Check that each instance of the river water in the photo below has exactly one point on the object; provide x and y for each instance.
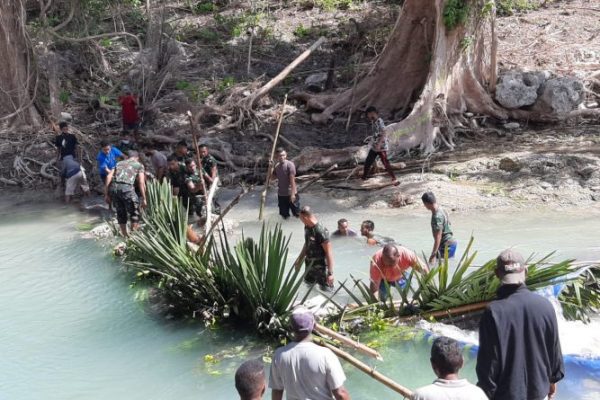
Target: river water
(71, 327)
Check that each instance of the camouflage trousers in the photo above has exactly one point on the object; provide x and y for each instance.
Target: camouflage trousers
(126, 202)
(316, 273)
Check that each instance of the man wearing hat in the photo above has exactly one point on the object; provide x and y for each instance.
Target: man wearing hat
(305, 370)
(519, 349)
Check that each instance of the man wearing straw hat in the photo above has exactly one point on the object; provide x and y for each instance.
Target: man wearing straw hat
(305, 370)
(519, 349)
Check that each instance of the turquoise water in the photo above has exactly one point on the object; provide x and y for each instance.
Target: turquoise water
(70, 327)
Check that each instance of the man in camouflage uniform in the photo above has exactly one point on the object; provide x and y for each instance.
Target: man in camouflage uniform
(194, 188)
(209, 173)
(317, 250)
(120, 188)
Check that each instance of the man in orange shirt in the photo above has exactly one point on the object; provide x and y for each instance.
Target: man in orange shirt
(388, 265)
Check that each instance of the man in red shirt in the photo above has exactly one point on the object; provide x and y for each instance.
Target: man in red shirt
(388, 265)
(129, 111)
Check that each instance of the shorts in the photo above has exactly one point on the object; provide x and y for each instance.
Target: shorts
(285, 206)
(451, 249)
(316, 273)
(71, 184)
(126, 202)
(383, 293)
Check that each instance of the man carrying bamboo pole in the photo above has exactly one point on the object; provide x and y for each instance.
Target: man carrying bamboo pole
(288, 198)
(446, 361)
(305, 370)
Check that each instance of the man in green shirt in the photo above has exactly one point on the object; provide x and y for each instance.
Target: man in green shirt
(440, 228)
(120, 188)
(317, 252)
(209, 173)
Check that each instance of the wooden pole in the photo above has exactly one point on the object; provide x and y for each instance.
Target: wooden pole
(199, 162)
(281, 76)
(263, 196)
(222, 215)
(367, 370)
(209, 200)
(451, 311)
(348, 342)
(314, 180)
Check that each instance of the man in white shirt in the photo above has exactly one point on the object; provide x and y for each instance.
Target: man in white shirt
(446, 361)
(305, 370)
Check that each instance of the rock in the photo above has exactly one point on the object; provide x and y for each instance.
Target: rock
(65, 116)
(512, 126)
(509, 165)
(587, 172)
(560, 95)
(316, 82)
(399, 200)
(517, 89)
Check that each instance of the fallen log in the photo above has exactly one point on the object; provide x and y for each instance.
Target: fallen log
(313, 181)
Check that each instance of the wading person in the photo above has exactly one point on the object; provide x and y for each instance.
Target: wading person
(440, 228)
(250, 380)
(66, 143)
(317, 250)
(378, 145)
(343, 229)
(287, 193)
(107, 159)
(367, 230)
(446, 360)
(120, 188)
(209, 173)
(305, 370)
(519, 349)
(74, 176)
(129, 114)
(388, 266)
(159, 163)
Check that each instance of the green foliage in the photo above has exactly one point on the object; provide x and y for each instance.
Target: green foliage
(510, 7)
(581, 298)
(105, 42)
(331, 5)
(64, 96)
(301, 31)
(466, 42)
(182, 85)
(456, 13)
(205, 8)
(247, 281)
(225, 83)
(238, 24)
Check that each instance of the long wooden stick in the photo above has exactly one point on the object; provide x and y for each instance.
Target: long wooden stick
(314, 180)
(281, 76)
(348, 342)
(368, 370)
(209, 200)
(222, 215)
(199, 166)
(263, 196)
(451, 311)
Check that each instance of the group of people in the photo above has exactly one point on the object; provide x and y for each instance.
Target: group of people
(519, 355)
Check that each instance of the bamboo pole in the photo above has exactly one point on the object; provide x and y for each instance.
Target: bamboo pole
(367, 370)
(449, 312)
(222, 215)
(348, 342)
(314, 180)
(281, 76)
(199, 162)
(263, 196)
(209, 201)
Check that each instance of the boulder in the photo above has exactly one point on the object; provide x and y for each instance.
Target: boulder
(512, 126)
(509, 165)
(560, 95)
(517, 89)
(316, 82)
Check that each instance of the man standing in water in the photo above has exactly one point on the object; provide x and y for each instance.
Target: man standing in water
(305, 370)
(317, 250)
(446, 360)
(378, 145)
(440, 228)
(367, 230)
(250, 380)
(343, 229)
(287, 193)
(519, 349)
(122, 191)
(388, 265)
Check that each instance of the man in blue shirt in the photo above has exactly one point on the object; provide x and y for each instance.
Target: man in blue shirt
(107, 159)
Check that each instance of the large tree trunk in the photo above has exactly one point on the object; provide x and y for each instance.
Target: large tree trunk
(427, 75)
(17, 79)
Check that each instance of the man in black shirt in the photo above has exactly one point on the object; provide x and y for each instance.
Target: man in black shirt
(519, 354)
(317, 250)
(65, 143)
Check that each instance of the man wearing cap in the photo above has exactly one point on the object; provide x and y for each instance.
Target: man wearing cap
(519, 349)
(388, 266)
(305, 370)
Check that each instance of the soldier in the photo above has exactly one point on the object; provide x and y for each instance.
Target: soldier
(209, 173)
(122, 191)
(194, 188)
